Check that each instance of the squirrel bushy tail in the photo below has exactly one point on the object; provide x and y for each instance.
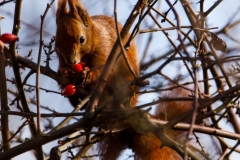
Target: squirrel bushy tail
(147, 146)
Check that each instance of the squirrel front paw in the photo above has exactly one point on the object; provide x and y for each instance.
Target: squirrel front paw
(87, 76)
(77, 74)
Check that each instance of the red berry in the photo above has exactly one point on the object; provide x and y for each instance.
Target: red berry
(77, 68)
(8, 38)
(69, 90)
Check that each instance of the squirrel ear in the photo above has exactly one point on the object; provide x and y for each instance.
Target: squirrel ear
(79, 11)
(62, 9)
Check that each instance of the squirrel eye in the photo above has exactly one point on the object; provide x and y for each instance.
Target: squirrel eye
(82, 39)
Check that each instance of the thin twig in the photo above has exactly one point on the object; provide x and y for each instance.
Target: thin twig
(53, 115)
(19, 129)
(232, 149)
(38, 66)
(195, 105)
(121, 43)
(78, 107)
(173, 28)
(212, 8)
(200, 129)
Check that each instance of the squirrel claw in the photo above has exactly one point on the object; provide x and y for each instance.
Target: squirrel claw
(87, 76)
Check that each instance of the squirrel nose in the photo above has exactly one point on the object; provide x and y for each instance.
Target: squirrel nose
(72, 57)
(70, 61)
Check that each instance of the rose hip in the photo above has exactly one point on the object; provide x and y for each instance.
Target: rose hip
(77, 68)
(8, 38)
(69, 90)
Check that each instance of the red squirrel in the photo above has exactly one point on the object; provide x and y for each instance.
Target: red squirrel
(81, 38)
(89, 40)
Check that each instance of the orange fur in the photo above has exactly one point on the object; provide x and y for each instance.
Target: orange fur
(169, 110)
(147, 146)
(100, 35)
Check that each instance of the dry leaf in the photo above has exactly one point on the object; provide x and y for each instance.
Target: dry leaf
(218, 43)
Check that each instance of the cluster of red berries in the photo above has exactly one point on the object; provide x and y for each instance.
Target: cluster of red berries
(70, 89)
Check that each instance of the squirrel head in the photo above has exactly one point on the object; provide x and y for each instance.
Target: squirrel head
(74, 31)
